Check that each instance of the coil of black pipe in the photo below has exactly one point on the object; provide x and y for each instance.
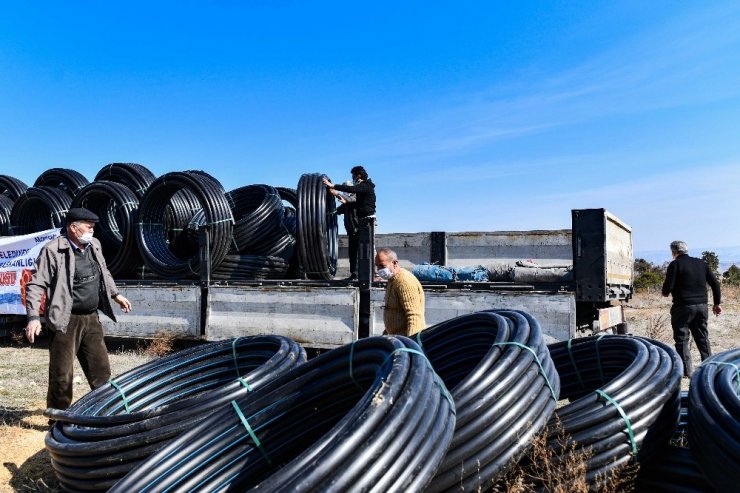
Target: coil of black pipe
(505, 388)
(235, 267)
(6, 205)
(714, 419)
(151, 229)
(38, 209)
(134, 176)
(368, 416)
(102, 436)
(258, 214)
(289, 195)
(318, 232)
(674, 469)
(11, 187)
(604, 377)
(116, 205)
(68, 180)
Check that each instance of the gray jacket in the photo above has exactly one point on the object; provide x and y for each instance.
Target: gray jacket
(55, 270)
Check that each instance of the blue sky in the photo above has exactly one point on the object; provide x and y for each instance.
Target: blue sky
(469, 116)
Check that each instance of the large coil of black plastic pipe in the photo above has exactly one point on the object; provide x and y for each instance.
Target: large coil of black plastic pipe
(38, 209)
(505, 389)
(11, 187)
(318, 233)
(6, 205)
(113, 428)
(674, 469)
(714, 419)
(68, 180)
(116, 205)
(151, 234)
(134, 176)
(624, 397)
(236, 267)
(370, 416)
(258, 214)
(288, 195)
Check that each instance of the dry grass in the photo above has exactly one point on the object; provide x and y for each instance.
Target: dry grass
(162, 345)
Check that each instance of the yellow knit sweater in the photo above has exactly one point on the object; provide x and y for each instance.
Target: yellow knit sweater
(404, 305)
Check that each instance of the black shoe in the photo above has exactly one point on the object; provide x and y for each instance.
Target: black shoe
(351, 278)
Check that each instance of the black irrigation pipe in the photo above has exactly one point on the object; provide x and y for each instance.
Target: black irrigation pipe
(289, 195)
(11, 187)
(318, 232)
(235, 267)
(68, 180)
(6, 205)
(258, 214)
(110, 430)
(152, 229)
(134, 176)
(674, 469)
(369, 416)
(38, 209)
(624, 397)
(714, 426)
(505, 389)
(116, 206)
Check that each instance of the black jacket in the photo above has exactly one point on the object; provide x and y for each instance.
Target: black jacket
(351, 221)
(365, 193)
(687, 279)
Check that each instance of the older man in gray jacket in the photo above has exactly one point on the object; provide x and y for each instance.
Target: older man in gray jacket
(72, 273)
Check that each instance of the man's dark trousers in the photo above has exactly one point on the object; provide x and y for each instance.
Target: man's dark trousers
(691, 319)
(84, 340)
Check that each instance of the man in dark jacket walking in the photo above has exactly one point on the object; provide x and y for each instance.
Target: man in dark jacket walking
(364, 205)
(687, 279)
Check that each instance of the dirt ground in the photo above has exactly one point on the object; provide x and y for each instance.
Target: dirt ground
(25, 465)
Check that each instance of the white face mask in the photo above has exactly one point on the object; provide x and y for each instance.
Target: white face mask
(86, 238)
(385, 273)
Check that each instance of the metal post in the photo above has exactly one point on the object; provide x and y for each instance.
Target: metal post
(365, 271)
(204, 265)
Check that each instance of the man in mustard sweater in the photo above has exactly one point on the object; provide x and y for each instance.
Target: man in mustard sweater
(404, 297)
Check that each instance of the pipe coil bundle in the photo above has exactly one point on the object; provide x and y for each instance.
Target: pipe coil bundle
(116, 206)
(369, 416)
(235, 267)
(67, 180)
(318, 232)
(505, 388)
(133, 176)
(6, 205)
(624, 397)
(152, 237)
(714, 426)
(12, 187)
(38, 209)
(110, 430)
(258, 215)
(674, 469)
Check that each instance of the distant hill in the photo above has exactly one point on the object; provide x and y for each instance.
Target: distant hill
(727, 255)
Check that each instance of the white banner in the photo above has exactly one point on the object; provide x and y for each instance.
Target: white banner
(17, 259)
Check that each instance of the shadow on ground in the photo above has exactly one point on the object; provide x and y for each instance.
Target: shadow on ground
(35, 474)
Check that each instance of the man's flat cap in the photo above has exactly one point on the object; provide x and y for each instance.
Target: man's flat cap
(80, 214)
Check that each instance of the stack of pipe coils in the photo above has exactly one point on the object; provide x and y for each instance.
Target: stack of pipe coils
(369, 416)
(235, 267)
(112, 429)
(116, 207)
(38, 209)
(625, 402)
(67, 180)
(714, 419)
(202, 192)
(6, 205)
(505, 388)
(318, 233)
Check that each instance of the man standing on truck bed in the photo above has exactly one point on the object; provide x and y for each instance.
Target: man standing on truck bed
(687, 279)
(364, 190)
(404, 296)
(72, 273)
